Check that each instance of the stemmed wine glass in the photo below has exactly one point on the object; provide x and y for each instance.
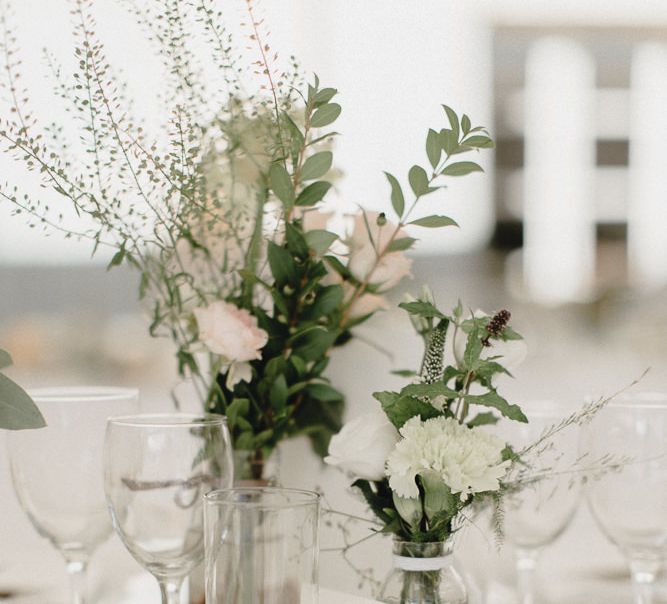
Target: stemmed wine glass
(157, 469)
(627, 440)
(538, 513)
(57, 471)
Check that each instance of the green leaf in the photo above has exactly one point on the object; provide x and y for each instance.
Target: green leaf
(313, 193)
(480, 142)
(244, 441)
(281, 183)
(406, 373)
(434, 221)
(325, 115)
(493, 399)
(465, 124)
(399, 245)
(433, 147)
(296, 243)
(338, 266)
(418, 181)
(316, 165)
(324, 393)
(320, 240)
(239, 407)
(397, 199)
(409, 509)
(438, 497)
(422, 309)
(461, 168)
(325, 95)
(314, 343)
(449, 141)
(278, 393)
(483, 419)
(453, 120)
(473, 349)
(328, 299)
(118, 257)
(399, 409)
(282, 265)
(17, 409)
(429, 390)
(5, 359)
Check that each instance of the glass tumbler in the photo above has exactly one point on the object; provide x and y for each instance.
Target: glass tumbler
(261, 546)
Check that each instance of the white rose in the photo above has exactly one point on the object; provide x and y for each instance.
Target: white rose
(231, 332)
(364, 264)
(362, 446)
(468, 460)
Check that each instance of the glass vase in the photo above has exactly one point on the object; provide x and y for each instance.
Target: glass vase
(254, 468)
(423, 574)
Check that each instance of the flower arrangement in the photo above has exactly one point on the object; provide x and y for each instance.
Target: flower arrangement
(426, 457)
(220, 212)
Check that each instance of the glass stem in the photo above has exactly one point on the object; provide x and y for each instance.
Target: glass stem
(643, 576)
(76, 571)
(170, 590)
(526, 563)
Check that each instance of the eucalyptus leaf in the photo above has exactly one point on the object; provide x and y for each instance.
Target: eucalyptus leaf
(325, 95)
(320, 240)
(325, 115)
(397, 198)
(281, 183)
(399, 245)
(480, 142)
(313, 193)
(461, 168)
(453, 120)
(434, 221)
(317, 165)
(433, 147)
(418, 181)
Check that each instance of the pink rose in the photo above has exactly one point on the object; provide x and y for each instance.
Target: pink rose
(365, 262)
(230, 331)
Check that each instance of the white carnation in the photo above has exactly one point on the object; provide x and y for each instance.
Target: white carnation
(468, 460)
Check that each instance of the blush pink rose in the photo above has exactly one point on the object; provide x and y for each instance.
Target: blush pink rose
(231, 332)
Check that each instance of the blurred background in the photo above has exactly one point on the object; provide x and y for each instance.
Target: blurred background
(567, 228)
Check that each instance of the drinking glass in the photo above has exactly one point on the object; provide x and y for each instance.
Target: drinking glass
(539, 513)
(261, 546)
(629, 502)
(157, 467)
(57, 471)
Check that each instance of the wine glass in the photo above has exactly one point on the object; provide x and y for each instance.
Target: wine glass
(57, 471)
(538, 513)
(157, 468)
(627, 495)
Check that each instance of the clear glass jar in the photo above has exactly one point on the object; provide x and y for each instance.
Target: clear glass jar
(253, 468)
(423, 574)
